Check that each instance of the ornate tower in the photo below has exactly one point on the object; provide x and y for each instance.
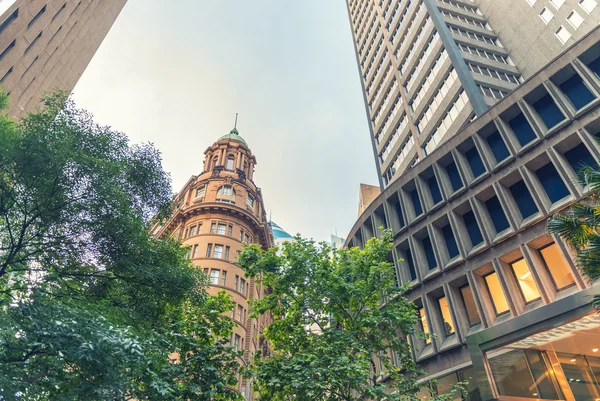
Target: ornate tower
(218, 212)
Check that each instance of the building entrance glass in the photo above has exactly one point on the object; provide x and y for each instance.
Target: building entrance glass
(559, 364)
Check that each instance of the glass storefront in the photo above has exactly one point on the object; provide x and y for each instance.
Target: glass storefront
(559, 364)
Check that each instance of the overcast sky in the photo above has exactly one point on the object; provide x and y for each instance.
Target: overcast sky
(175, 73)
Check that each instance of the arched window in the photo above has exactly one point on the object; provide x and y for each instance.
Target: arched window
(226, 190)
(230, 163)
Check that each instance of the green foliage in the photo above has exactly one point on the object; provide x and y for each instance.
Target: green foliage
(91, 305)
(334, 311)
(579, 225)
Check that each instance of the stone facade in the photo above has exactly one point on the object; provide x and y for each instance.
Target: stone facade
(503, 298)
(219, 211)
(47, 45)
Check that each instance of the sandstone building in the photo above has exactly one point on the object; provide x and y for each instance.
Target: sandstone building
(47, 45)
(219, 211)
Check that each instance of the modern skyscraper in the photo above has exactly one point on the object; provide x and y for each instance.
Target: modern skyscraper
(429, 67)
(47, 45)
(506, 304)
(218, 212)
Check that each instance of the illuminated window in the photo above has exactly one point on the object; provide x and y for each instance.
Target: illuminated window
(495, 290)
(525, 279)
(424, 325)
(214, 276)
(470, 306)
(446, 315)
(557, 266)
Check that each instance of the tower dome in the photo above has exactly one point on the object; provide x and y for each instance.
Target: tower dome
(233, 135)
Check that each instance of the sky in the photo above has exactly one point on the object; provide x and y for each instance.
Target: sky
(174, 73)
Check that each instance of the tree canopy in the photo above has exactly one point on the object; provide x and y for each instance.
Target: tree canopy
(340, 325)
(91, 305)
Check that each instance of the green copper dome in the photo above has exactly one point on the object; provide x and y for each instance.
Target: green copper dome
(234, 135)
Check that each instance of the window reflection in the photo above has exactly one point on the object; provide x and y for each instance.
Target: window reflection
(424, 325)
(523, 275)
(557, 266)
(446, 315)
(495, 290)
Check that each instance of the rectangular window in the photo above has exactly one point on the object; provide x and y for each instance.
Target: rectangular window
(577, 91)
(475, 162)
(472, 228)
(495, 290)
(498, 146)
(209, 250)
(523, 131)
(557, 3)
(588, 5)
(448, 323)
(546, 15)
(434, 188)
(192, 231)
(469, 301)
(38, 15)
(200, 192)
(213, 228)
(59, 11)
(454, 176)
(400, 217)
(226, 256)
(240, 313)
(548, 111)
(414, 196)
(450, 241)
(575, 19)
(229, 164)
(10, 19)
(246, 239)
(214, 276)
(223, 277)
(523, 199)
(580, 157)
(237, 283)
(7, 50)
(195, 252)
(218, 253)
(497, 214)
(230, 230)
(563, 34)
(525, 280)
(557, 266)
(250, 201)
(411, 265)
(221, 228)
(424, 325)
(243, 286)
(428, 248)
(241, 235)
(552, 183)
(236, 342)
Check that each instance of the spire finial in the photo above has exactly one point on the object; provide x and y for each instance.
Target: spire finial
(235, 125)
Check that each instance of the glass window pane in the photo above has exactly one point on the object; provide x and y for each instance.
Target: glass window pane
(446, 315)
(424, 325)
(525, 279)
(557, 266)
(495, 289)
(469, 300)
(214, 276)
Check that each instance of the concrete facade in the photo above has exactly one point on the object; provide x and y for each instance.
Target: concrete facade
(532, 41)
(219, 211)
(47, 45)
(469, 223)
(427, 68)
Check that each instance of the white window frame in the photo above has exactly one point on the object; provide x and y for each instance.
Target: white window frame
(200, 192)
(588, 5)
(546, 15)
(221, 228)
(561, 39)
(531, 2)
(218, 251)
(214, 276)
(557, 3)
(577, 23)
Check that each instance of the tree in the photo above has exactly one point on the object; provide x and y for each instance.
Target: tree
(336, 318)
(91, 305)
(579, 225)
